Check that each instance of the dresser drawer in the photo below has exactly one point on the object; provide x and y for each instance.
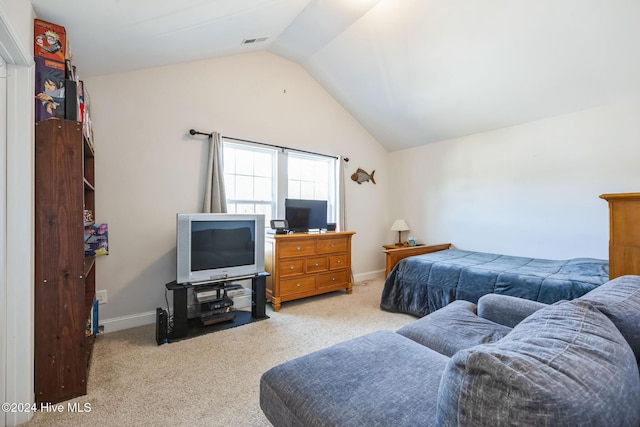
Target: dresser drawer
(332, 279)
(333, 245)
(316, 264)
(296, 248)
(294, 286)
(337, 262)
(291, 267)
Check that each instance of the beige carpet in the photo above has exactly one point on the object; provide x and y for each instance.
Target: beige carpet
(213, 380)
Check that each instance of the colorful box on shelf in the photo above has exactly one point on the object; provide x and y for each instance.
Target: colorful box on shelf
(55, 96)
(96, 240)
(87, 126)
(50, 41)
(50, 89)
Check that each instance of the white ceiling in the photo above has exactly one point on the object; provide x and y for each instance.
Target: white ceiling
(411, 71)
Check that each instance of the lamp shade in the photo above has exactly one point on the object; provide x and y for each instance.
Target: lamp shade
(399, 225)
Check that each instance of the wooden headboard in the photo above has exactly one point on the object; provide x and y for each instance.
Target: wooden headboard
(624, 233)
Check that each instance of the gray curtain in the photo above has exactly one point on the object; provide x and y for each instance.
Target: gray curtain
(342, 204)
(215, 198)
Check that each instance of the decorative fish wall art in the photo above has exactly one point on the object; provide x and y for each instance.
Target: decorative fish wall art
(361, 176)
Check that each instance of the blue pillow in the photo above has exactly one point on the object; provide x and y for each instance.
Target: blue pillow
(566, 364)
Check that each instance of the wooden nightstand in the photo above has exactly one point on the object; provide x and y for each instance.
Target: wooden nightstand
(396, 253)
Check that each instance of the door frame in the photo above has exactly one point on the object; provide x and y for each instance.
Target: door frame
(3, 228)
(17, 241)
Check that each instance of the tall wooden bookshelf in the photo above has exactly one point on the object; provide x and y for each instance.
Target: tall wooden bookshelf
(64, 277)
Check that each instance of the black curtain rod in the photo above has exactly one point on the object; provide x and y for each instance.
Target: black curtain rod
(195, 132)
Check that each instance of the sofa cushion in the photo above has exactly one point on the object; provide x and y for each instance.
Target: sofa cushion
(566, 364)
(376, 379)
(453, 328)
(619, 300)
(507, 310)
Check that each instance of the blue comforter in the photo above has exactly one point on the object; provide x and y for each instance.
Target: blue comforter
(422, 284)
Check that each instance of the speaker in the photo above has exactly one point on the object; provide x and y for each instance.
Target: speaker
(331, 226)
(161, 326)
(259, 286)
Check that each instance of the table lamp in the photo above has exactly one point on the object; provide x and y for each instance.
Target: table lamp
(399, 225)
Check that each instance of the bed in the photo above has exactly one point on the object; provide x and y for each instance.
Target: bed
(421, 284)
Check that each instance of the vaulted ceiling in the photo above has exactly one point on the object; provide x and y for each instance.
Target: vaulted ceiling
(410, 71)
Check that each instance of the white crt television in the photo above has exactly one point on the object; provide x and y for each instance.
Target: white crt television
(217, 246)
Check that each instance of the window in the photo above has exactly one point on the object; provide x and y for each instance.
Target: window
(249, 178)
(258, 179)
(312, 177)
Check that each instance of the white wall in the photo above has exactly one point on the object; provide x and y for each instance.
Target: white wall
(529, 190)
(148, 168)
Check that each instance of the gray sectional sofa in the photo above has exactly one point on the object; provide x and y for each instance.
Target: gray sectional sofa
(503, 362)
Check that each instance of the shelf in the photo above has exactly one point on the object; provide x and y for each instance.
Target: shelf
(89, 342)
(183, 327)
(64, 278)
(89, 285)
(196, 328)
(89, 262)
(88, 185)
(88, 148)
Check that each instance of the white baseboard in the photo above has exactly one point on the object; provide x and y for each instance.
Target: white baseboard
(149, 318)
(126, 322)
(371, 275)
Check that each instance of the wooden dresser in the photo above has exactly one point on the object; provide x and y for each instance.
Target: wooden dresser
(307, 264)
(624, 233)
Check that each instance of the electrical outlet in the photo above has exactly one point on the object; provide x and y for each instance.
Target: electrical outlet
(101, 296)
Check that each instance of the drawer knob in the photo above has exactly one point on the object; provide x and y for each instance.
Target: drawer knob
(291, 267)
(339, 261)
(298, 248)
(333, 245)
(317, 264)
(298, 284)
(333, 278)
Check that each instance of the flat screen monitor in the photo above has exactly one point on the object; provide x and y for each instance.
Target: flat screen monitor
(304, 215)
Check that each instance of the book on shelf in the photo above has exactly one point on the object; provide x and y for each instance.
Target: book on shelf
(93, 327)
(96, 239)
(49, 89)
(49, 41)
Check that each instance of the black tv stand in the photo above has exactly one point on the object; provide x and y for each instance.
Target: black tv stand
(183, 327)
